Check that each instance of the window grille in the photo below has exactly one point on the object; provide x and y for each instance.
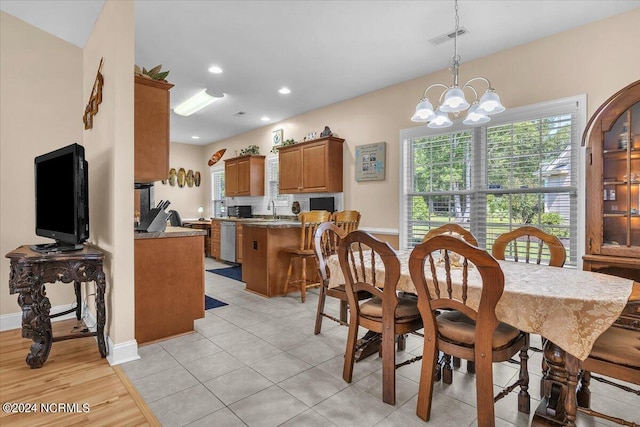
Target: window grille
(494, 178)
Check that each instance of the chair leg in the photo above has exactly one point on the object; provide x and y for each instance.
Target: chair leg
(343, 311)
(402, 342)
(524, 399)
(584, 394)
(456, 362)
(286, 282)
(388, 367)
(484, 390)
(350, 352)
(427, 374)
(321, 300)
(471, 367)
(447, 373)
(303, 282)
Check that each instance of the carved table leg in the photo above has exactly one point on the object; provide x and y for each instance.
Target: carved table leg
(36, 323)
(558, 403)
(100, 312)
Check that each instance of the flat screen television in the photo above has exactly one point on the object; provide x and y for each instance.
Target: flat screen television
(62, 199)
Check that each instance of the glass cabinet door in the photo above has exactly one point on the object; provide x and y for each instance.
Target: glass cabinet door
(621, 182)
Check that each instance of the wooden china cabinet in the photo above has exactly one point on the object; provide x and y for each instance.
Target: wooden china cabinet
(613, 186)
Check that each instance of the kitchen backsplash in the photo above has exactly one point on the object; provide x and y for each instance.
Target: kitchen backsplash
(259, 205)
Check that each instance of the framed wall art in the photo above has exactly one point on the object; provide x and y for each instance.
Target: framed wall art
(276, 137)
(370, 162)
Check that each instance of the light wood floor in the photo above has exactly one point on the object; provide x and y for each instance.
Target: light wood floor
(73, 373)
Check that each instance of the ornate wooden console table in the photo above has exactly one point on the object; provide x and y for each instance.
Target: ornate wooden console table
(29, 273)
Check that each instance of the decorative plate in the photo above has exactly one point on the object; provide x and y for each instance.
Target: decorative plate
(216, 156)
(190, 178)
(196, 179)
(182, 176)
(172, 177)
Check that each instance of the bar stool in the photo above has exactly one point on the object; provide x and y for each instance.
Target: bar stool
(309, 222)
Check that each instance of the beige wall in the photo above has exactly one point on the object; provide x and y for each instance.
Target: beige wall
(109, 150)
(186, 200)
(40, 111)
(597, 59)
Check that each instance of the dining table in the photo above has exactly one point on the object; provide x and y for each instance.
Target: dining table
(570, 308)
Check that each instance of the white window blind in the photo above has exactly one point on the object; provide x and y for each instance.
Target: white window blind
(492, 179)
(217, 192)
(273, 178)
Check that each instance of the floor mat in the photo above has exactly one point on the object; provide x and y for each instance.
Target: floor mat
(210, 303)
(234, 273)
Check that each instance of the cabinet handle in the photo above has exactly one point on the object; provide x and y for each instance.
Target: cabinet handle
(590, 242)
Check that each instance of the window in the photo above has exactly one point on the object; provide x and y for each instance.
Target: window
(273, 188)
(519, 169)
(217, 192)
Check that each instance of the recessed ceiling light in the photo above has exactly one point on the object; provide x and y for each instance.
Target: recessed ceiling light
(215, 69)
(195, 137)
(265, 119)
(285, 91)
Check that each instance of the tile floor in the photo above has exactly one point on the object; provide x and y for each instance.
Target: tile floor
(256, 362)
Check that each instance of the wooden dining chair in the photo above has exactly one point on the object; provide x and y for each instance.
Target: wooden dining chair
(309, 222)
(461, 232)
(454, 230)
(615, 354)
(527, 244)
(463, 330)
(347, 220)
(371, 265)
(326, 241)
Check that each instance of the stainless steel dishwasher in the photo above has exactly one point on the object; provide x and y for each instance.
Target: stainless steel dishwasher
(228, 241)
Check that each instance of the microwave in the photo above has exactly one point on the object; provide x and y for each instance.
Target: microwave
(243, 211)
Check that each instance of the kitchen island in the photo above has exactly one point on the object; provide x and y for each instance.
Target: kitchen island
(169, 282)
(265, 265)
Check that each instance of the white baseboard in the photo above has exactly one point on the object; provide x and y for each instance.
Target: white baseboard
(14, 320)
(122, 352)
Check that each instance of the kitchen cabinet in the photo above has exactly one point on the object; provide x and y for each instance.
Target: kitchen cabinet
(151, 130)
(613, 186)
(311, 167)
(215, 239)
(169, 282)
(202, 225)
(244, 176)
(239, 242)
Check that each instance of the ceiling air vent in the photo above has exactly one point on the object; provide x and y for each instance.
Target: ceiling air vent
(446, 37)
(239, 113)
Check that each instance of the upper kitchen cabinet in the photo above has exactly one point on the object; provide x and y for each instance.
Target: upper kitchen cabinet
(244, 176)
(613, 186)
(151, 122)
(311, 167)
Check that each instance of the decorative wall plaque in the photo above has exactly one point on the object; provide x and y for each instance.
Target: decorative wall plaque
(370, 162)
(94, 100)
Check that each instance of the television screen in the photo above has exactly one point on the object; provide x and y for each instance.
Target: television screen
(62, 203)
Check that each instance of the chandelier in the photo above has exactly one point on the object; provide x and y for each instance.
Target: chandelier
(452, 99)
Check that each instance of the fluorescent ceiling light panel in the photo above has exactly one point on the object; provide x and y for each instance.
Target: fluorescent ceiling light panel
(265, 119)
(196, 103)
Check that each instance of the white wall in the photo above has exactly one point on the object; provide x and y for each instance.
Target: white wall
(40, 110)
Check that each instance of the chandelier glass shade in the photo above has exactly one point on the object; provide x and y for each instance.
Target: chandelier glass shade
(452, 98)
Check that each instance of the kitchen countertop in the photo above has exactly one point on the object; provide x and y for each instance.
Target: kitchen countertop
(281, 223)
(170, 232)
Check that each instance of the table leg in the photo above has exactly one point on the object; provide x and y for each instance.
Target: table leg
(558, 404)
(36, 323)
(76, 288)
(100, 312)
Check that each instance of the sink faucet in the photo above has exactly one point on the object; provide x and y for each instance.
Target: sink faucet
(272, 205)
